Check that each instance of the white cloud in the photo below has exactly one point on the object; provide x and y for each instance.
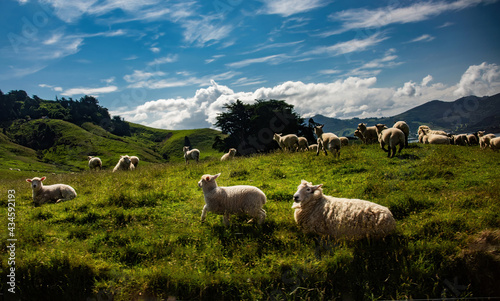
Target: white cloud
(479, 80)
(354, 45)
(409, 89)
(203, 31)
(164, 60)
(426, 80)
(422, 38)
(272, 59)
(139, 75)
(286, 8)
(89, 91)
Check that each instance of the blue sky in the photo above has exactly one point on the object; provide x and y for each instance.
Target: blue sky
(174, 64)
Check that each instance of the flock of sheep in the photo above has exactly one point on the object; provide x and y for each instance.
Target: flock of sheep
(316, 213)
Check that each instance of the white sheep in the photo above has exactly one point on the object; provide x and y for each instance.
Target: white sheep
(327, 141)
(426, 130)
(288, 142)
(229, 155)
(134, 160)
(472, 139)
(339, 218)
(495, 143)
(124, 164)
(369, 133)
(94, 163)
(435, 139)
(392, 138)
(241, 199)
(344, 141)
(460, 139)
(403, 126)
(484, 139)
(303, 144)
(193, 154)
(50, 193)
(313, 147)
(358, 134)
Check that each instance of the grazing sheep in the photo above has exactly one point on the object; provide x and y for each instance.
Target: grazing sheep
(313, 147)
(392, 138)
(50, 193)
(403, 126)
(435, 139)
(370, 133)
(134, 160)
(229, 155)
(225, 201)
(472, 138)
(94, 163)
(327, 141)
(339, 218)
(495, 143)
(124, 164)
(358, 134)
(303, 144)
(193, 154)
(288, 142)
(484, 140)
(460, 139)
(344, 141)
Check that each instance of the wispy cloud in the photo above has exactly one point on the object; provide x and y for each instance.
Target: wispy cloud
(89, 91)
(164, 60)
(271, 59)
(287, 8)
(422, 38)
(350, 46)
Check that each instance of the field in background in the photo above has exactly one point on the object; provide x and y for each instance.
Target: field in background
(137, 235)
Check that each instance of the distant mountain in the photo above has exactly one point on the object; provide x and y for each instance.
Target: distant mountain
(464, 115)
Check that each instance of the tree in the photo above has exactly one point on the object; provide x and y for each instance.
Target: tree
(251, 127)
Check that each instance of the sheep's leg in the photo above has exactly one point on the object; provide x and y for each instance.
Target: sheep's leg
(320, 145)
(226, 219)
(204, 213)
(262, 216)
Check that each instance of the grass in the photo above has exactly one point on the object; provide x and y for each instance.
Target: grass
(137, 235)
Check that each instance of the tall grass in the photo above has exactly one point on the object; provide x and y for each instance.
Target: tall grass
(137, 235)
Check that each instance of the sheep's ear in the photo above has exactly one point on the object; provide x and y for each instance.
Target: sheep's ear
(28, 180)
(43, 178)
(317, 186)
(216, 176)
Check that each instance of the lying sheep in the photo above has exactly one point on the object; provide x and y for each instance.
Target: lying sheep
(134, 160)
(225, 201)
(327, 141)
(435, 139)
(288, 142)
(403, 126)
(344, 141)
(50, 193)
(124, 164)
(303, 144)
(193, 154)
(495, 143)
(426, 130)
(369, 133)
(94, 163)
(339, 218)
(484, 139)
(392, 138)
(229, 155)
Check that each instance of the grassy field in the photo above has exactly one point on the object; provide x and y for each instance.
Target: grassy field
(137, 235)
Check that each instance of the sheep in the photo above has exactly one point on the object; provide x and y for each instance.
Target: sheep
(495, 143)
(229, 155)
(424, 129)
(313, 147)
(327, 141)
(124, 164)
(50, 193)
(339, 218)
(403, 126)
(303, 144)
(288, 142)
(370, 133)
(358, 134)
(94, 163)
(436, 139)
(460, 139)
(472, 139)
(484, 140)
(193, 154)
(344, 141)
(392, 137)
(134, 160)
(241, 199)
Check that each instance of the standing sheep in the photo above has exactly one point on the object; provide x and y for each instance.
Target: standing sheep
(229, 155)
(134, 160)
(358, 134)
(495, 144)
(392, 138)
(50, 193)
(124, 164)
(225, 201)
(344, 141)
(370, 133)
(94, 163)
(193, 154)
(484, 140)
(303, 144)
(472, 138)
(288, 142)
(339, 218)
(327, 141)
(403, 126)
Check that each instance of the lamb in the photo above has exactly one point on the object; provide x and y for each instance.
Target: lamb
(94, 163)
(339, 218)
(370, 133)
(50, 193)
(344, 141)
(124, 164)
(303, 144)
(193, 154)
(241, 199)
(403, 126)
(327, 141)
(313, 147)
(484, 140)
(288, 142)
(495, 143)
(134, 160)
(392, 137)
(229, 155)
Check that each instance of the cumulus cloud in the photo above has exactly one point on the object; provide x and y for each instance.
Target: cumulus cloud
(479, 80)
